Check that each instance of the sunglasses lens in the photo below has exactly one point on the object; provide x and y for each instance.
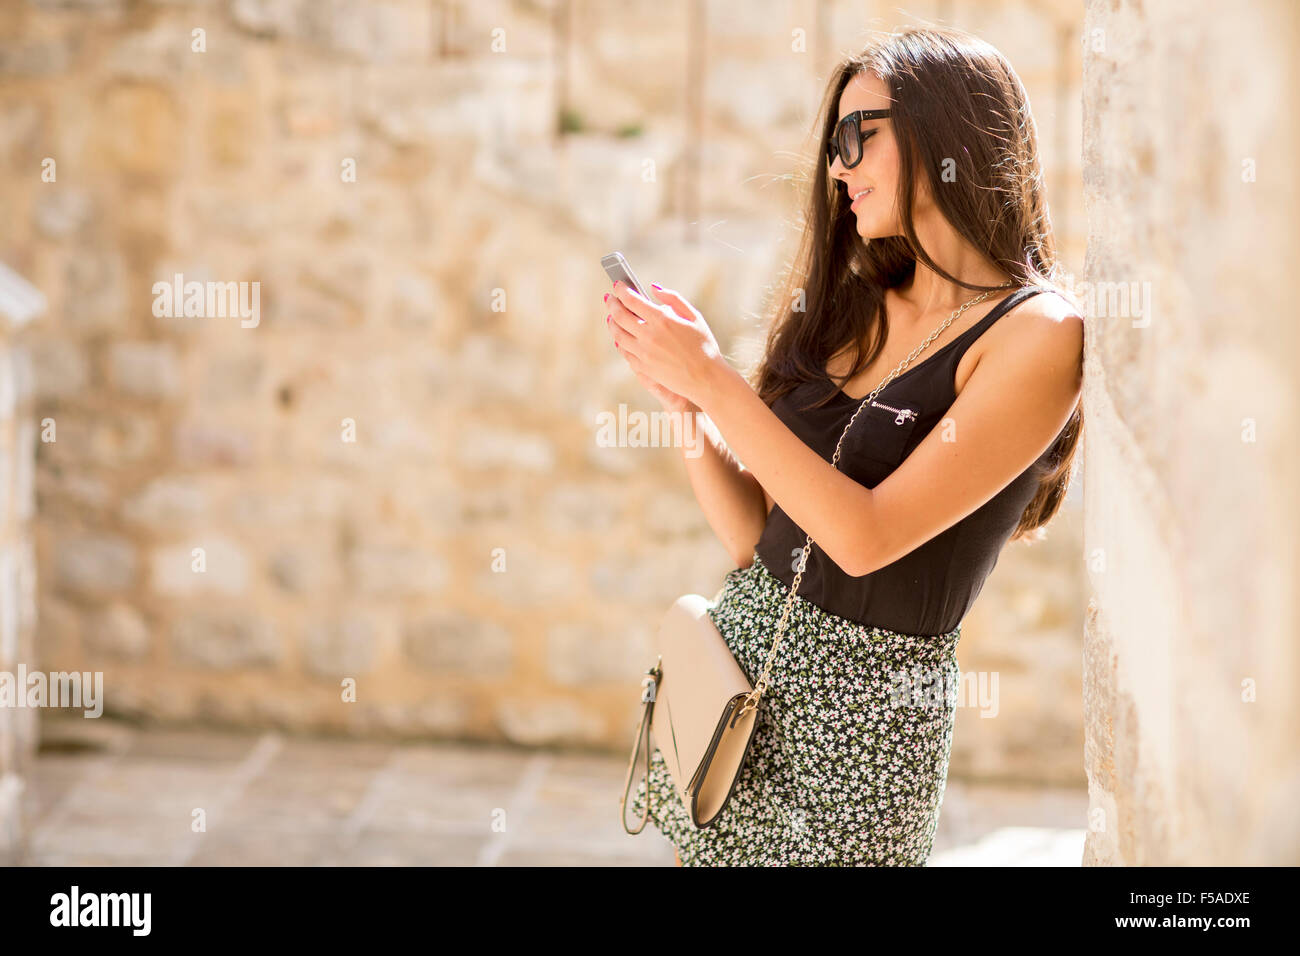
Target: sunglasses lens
(850, 145)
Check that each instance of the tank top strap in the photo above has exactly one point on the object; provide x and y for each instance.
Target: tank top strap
(1001, 309)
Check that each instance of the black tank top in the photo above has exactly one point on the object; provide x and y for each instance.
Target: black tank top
(929, 590)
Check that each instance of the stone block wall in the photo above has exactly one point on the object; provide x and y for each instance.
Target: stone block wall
(18, 725)
(1191, 467)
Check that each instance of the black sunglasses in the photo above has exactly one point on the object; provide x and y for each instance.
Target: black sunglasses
(846, 142)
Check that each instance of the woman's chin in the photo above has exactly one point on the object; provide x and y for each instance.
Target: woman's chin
(870, 229)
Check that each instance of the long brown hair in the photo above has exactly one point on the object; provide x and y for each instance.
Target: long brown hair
(956, 99)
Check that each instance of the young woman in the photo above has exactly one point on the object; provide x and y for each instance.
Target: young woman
(926, 216)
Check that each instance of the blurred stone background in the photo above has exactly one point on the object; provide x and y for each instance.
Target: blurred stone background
(445, 301)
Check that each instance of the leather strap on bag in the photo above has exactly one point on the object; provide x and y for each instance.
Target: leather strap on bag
(649, 690)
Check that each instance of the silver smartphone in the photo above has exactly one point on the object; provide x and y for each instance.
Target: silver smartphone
(618, 270)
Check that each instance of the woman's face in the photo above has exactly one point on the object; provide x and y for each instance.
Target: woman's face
(878, 170)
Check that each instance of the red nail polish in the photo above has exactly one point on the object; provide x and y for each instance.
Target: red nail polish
(606, 297)
(656, 285)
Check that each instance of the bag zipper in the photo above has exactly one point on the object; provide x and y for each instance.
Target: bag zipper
(901, 415)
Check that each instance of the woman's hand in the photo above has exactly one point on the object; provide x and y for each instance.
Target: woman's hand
(669, 347)
(671, 401)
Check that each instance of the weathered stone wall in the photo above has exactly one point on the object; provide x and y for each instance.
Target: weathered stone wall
(446, 303)
(18, 725)
(1190, 462)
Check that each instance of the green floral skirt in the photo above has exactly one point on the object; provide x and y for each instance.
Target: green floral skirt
(850, 756)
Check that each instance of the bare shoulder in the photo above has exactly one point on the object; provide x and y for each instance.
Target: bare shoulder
(1044, 327)
(1054, 307)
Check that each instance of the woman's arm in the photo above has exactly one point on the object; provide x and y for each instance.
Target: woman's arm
(1015, 403)
(818, 498)
(731, 498)
(1012, 407)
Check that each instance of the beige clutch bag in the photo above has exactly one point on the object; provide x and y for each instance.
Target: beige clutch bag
(695, 705)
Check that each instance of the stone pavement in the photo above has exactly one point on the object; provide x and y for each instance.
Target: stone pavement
(105, 792)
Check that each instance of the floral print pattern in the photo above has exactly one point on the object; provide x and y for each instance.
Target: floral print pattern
(850, 756)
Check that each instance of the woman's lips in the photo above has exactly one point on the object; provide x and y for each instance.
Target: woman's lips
(865, 195)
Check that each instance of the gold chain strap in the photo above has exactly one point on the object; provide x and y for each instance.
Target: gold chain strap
(752, 700)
